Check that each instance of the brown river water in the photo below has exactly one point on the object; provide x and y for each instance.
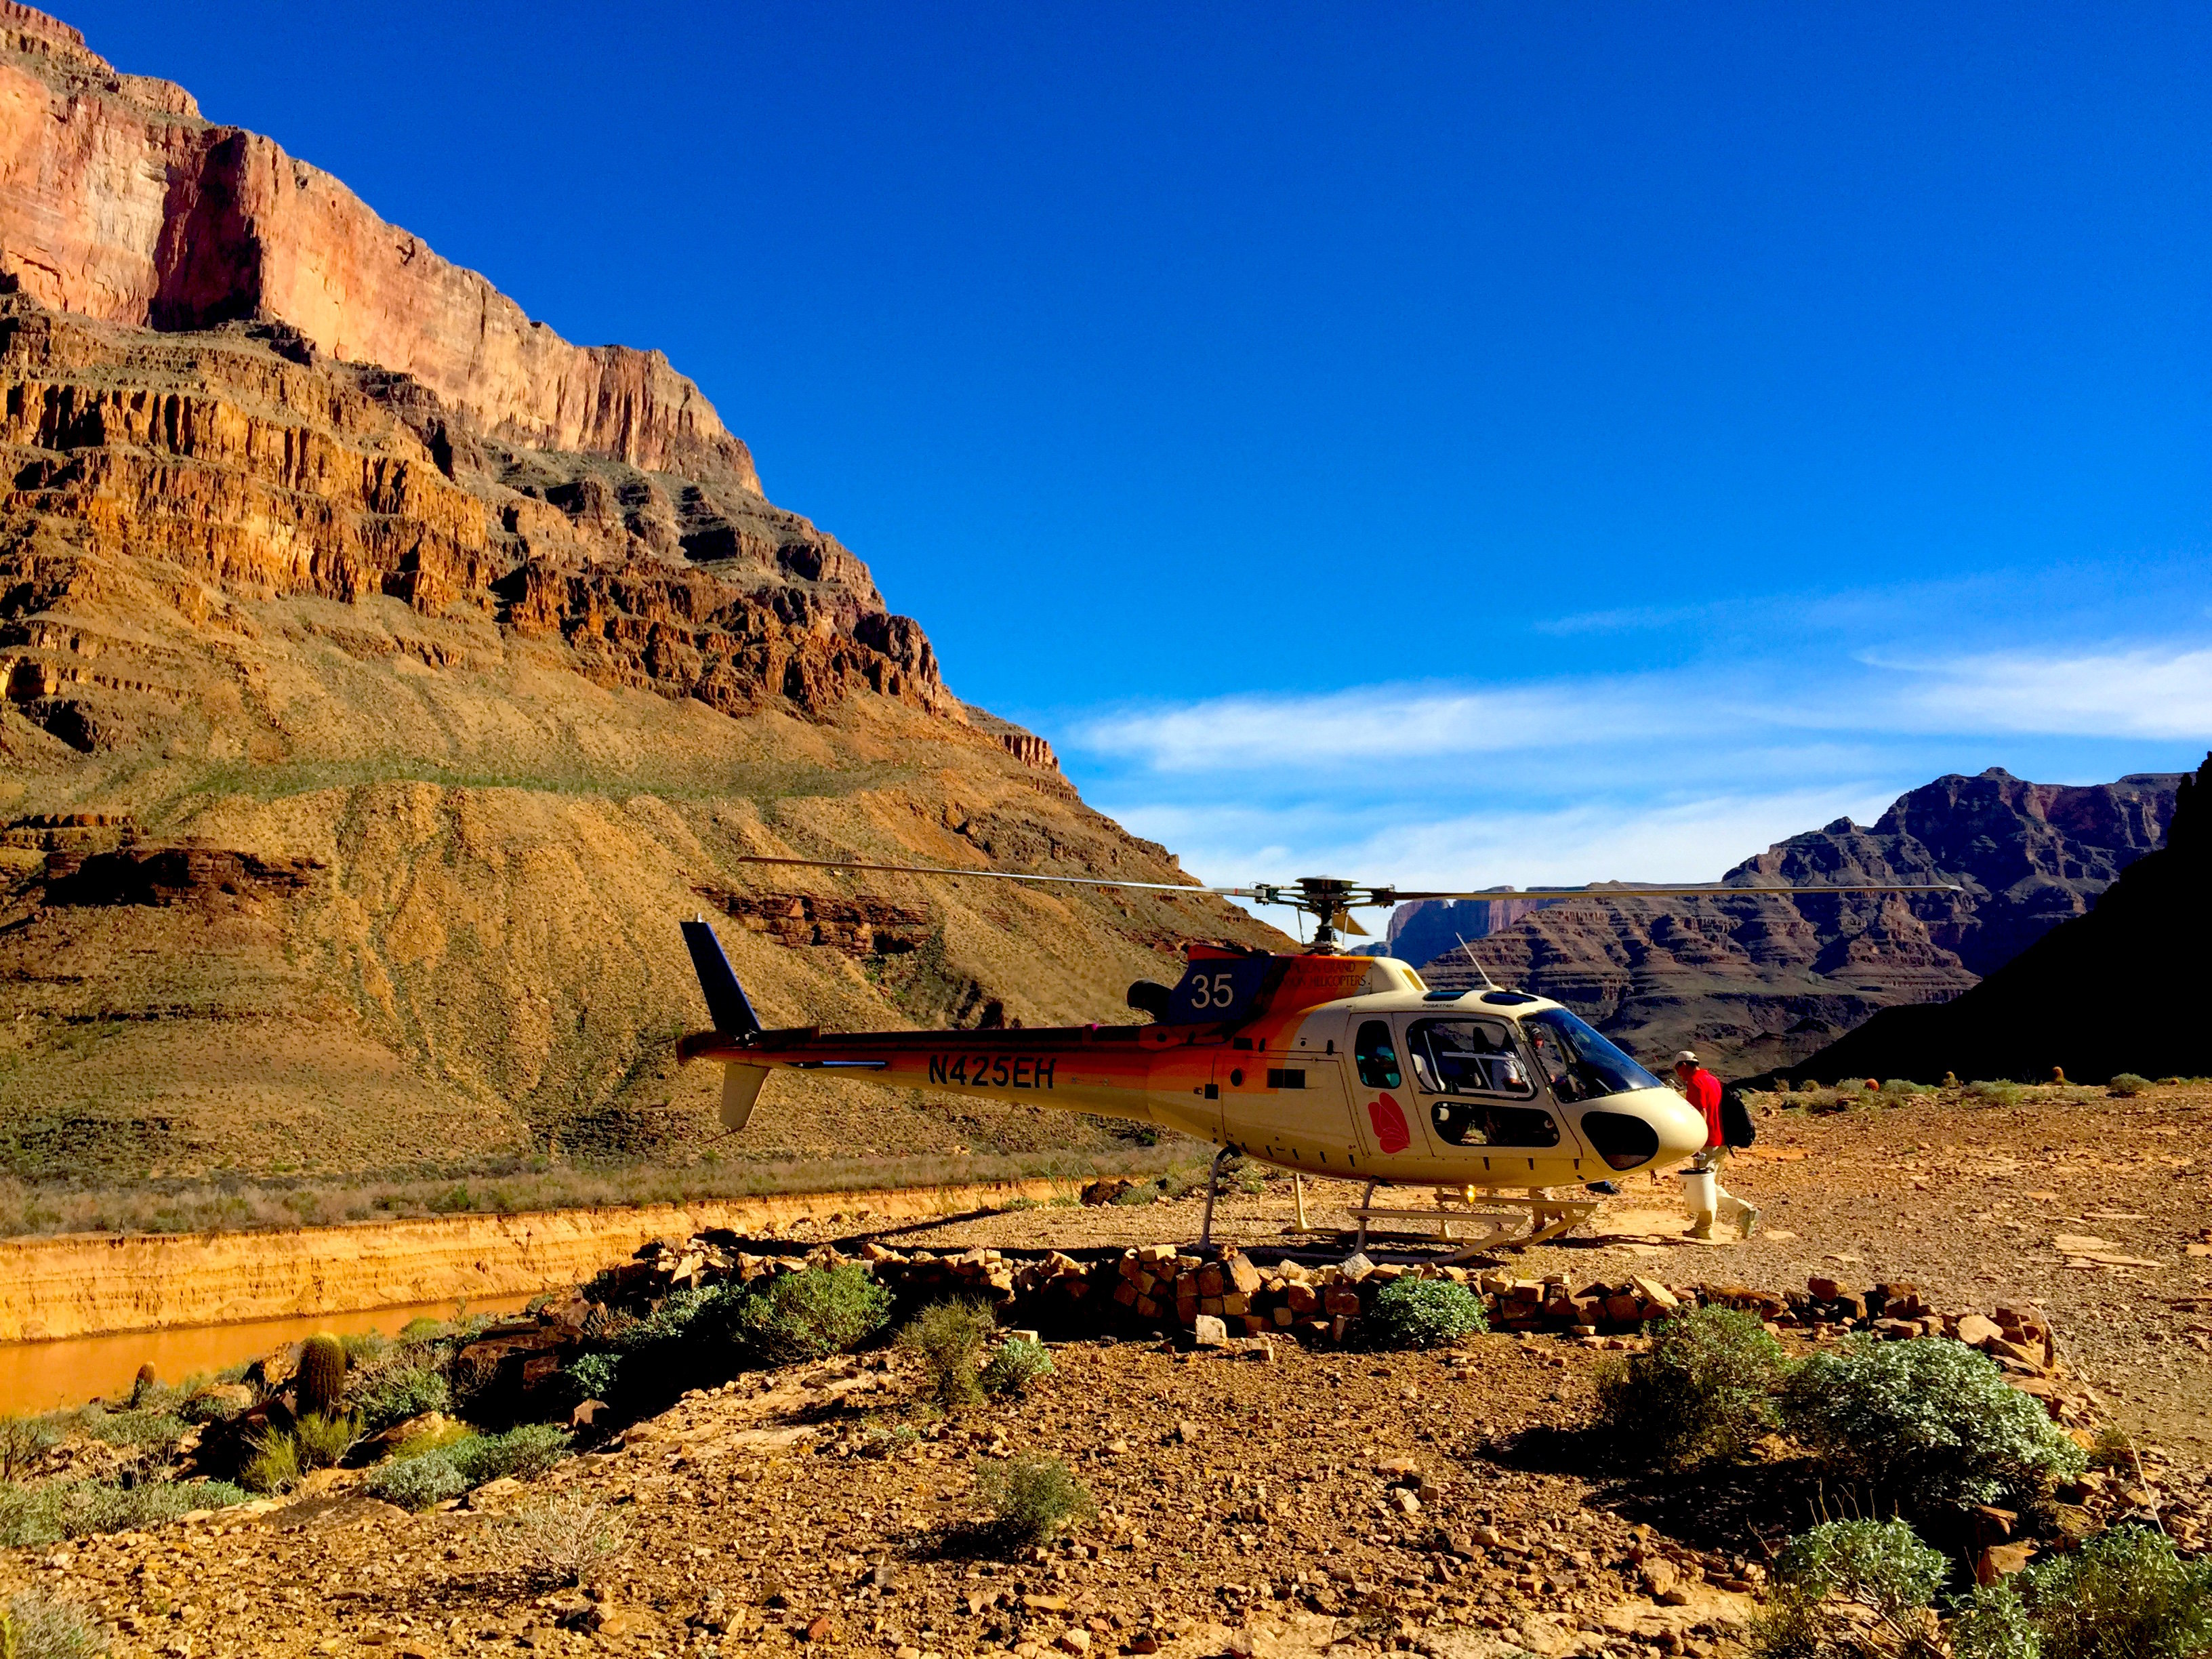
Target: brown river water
(41, 1376)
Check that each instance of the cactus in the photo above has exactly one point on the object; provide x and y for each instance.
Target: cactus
(144, 1384)
(322, 1376)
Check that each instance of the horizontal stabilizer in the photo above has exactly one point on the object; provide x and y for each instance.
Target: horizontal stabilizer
(732, 1013)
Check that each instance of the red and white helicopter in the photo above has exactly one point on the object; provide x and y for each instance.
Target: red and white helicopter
(1344, 1067)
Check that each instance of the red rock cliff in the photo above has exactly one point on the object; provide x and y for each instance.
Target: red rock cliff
(120, 202)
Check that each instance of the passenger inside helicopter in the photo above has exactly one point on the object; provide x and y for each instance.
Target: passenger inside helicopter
(1455, 1059)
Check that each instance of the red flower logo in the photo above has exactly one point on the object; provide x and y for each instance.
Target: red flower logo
(1390, 1131)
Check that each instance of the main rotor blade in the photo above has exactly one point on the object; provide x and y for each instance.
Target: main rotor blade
(992, 875)
(1401, 896)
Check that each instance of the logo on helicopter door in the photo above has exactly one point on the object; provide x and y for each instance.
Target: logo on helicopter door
(1391, 1133)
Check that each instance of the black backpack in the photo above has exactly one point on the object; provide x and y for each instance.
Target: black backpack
(1736, 1128)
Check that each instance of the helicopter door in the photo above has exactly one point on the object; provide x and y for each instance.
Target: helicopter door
(1477, 1090)
(1384, 1110)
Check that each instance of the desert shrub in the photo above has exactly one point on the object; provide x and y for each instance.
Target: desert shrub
(23, 1442)
(809, 1314)
(323, 1442)
(677, 1316)
(421, 1330)
(1422, 1312)
(1994, 1092)
(2128, 1084)
(561, 1540)
(126, 1428)
(949, 1336)
(36, 1626)
(216, 1403)
(1705, 1388)
(1877, 1568)
(591, 1376)
(51, 1510)
(1031, 1497)
(393, 1393)
(1904, 1086)
(1017, 1364)
(272, 1462)
(365, 1345)
(1930, 1423)
(524, 1453)
(420, 1482)
(2123, 1596)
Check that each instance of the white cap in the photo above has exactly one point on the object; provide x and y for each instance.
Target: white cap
(1687, 1057)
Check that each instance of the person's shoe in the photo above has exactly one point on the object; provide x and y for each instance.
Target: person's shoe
(1703, 1231)
(1747, 1222)
(1610, 1188)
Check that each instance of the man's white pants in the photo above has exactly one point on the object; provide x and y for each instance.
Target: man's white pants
(1727, 1206)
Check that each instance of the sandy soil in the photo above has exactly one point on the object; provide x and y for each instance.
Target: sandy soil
(1250, 1502)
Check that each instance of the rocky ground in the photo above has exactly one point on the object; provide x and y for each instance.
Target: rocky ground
(1262, 1498)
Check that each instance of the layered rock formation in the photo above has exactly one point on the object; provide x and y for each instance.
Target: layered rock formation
(119, 203)
(384, 678)
(1756, 983)
(2120, 988)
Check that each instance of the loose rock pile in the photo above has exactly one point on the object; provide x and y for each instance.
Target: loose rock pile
(1220, 1294)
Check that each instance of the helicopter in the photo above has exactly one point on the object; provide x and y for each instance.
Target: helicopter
(1343, 1066)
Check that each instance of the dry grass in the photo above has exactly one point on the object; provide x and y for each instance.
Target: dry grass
(239, 1204)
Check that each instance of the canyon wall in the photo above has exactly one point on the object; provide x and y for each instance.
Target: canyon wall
(118, 202)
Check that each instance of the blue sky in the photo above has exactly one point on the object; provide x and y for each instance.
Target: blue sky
(1440, 443)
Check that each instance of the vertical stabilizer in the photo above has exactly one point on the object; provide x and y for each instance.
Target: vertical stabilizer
(727, 1001)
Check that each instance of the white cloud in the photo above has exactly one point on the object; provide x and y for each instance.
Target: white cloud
(2148, 692)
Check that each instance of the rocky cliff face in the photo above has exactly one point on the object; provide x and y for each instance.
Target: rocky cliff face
(119, 203)
(1757, 983)
(2120, 988)
(385, 678)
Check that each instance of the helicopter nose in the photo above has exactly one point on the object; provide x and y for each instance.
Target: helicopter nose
(1681, 1127)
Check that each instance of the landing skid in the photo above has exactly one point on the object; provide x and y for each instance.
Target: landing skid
(1542, 1216)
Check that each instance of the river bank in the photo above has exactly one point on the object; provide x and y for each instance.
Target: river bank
(84, 1285)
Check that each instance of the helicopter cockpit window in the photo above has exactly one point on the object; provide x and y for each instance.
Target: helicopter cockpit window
(1577, 1062)
(1376, 1055)
(1460, 1060)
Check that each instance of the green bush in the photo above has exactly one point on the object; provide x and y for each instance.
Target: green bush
(36, 1626)
(706, 1308)
(31, 1516)
(1877, 1567)
(2128, 1084)
(1997, 1092)
(1017, 1364)
(1929, 1422)
(1422, 1312)
(24, 1441)
(2123, 1596)
(949, 1336)
(420, 1482)
(591, 1376)
(323, 1442)
(272, 1462)
(1031, 1497)
(421, 1330)
(124, 1428)
(1704, 1389)
(524, 1453)
(393, 1393)
(809, 1314)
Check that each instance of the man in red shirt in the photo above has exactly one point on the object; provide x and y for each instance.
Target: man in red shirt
(1703, 1089)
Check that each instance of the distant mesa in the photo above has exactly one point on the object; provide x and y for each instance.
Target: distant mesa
(2121, 988)
(1752, 984)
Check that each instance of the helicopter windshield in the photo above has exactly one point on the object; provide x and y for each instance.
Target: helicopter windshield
(1577, 1062)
